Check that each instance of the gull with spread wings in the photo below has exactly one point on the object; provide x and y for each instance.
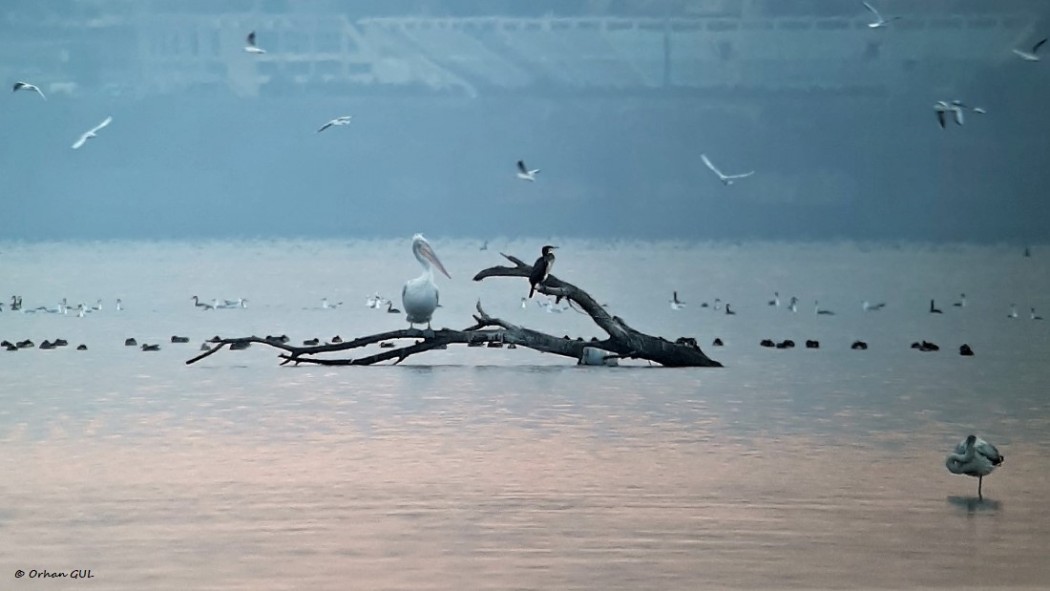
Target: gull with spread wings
(727, 179)
(1031, 56)
(251, 47)
(30, 87)
(91, 133)
(524, 173)
(344, 120)
(879, 21)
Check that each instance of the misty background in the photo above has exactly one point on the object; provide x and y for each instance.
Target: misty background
(613, 100)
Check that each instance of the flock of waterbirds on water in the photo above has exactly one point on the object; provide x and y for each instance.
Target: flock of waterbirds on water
(973, 456)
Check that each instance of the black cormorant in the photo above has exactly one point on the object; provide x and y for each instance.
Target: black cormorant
(541, 268)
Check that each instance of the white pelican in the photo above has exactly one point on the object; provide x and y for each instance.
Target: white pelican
(251, 47)
(344, 120)
(676, 304)
(27, 86)
(879, 21)
(91, 132)
(419, 296)
(1031, 56)
(974, 457)
(524, 173)
(727, 179)
(120, 305)
(793, 305)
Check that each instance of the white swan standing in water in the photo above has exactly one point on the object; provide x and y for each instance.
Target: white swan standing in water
(974, 457)
(419, 296)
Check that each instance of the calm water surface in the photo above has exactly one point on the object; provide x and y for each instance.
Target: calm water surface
(510, 469)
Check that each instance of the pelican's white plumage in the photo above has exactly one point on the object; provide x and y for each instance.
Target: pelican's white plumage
(524, 173)
(1031, 56)
(974, 457)
(91, 133)
(419, 296)
(27, 86)
(344, 120)
(727, 179)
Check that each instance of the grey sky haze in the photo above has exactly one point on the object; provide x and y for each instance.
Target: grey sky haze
(614, 104)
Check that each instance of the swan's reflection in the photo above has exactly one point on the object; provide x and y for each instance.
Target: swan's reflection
(974, 504)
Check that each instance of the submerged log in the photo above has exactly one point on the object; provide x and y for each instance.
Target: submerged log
(622, 342)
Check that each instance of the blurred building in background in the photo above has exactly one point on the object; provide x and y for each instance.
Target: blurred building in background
(483, 47)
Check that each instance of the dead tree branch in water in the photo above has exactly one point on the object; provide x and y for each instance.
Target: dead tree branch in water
(623, 341)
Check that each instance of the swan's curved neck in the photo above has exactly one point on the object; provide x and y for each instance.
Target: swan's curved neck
(965, 457)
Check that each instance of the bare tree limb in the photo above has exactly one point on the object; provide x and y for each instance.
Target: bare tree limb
(623, 341)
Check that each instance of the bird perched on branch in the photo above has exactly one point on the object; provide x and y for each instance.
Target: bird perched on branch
(541, 269)
(419, 296)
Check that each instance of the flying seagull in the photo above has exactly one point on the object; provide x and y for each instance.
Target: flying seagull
(91, 133)
(251, 47)
(344, 120)
(1030, 56)
(879, 21)
(524, 173)
(955, 107)
(27, 86)
(942, 108)
(727, 179)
